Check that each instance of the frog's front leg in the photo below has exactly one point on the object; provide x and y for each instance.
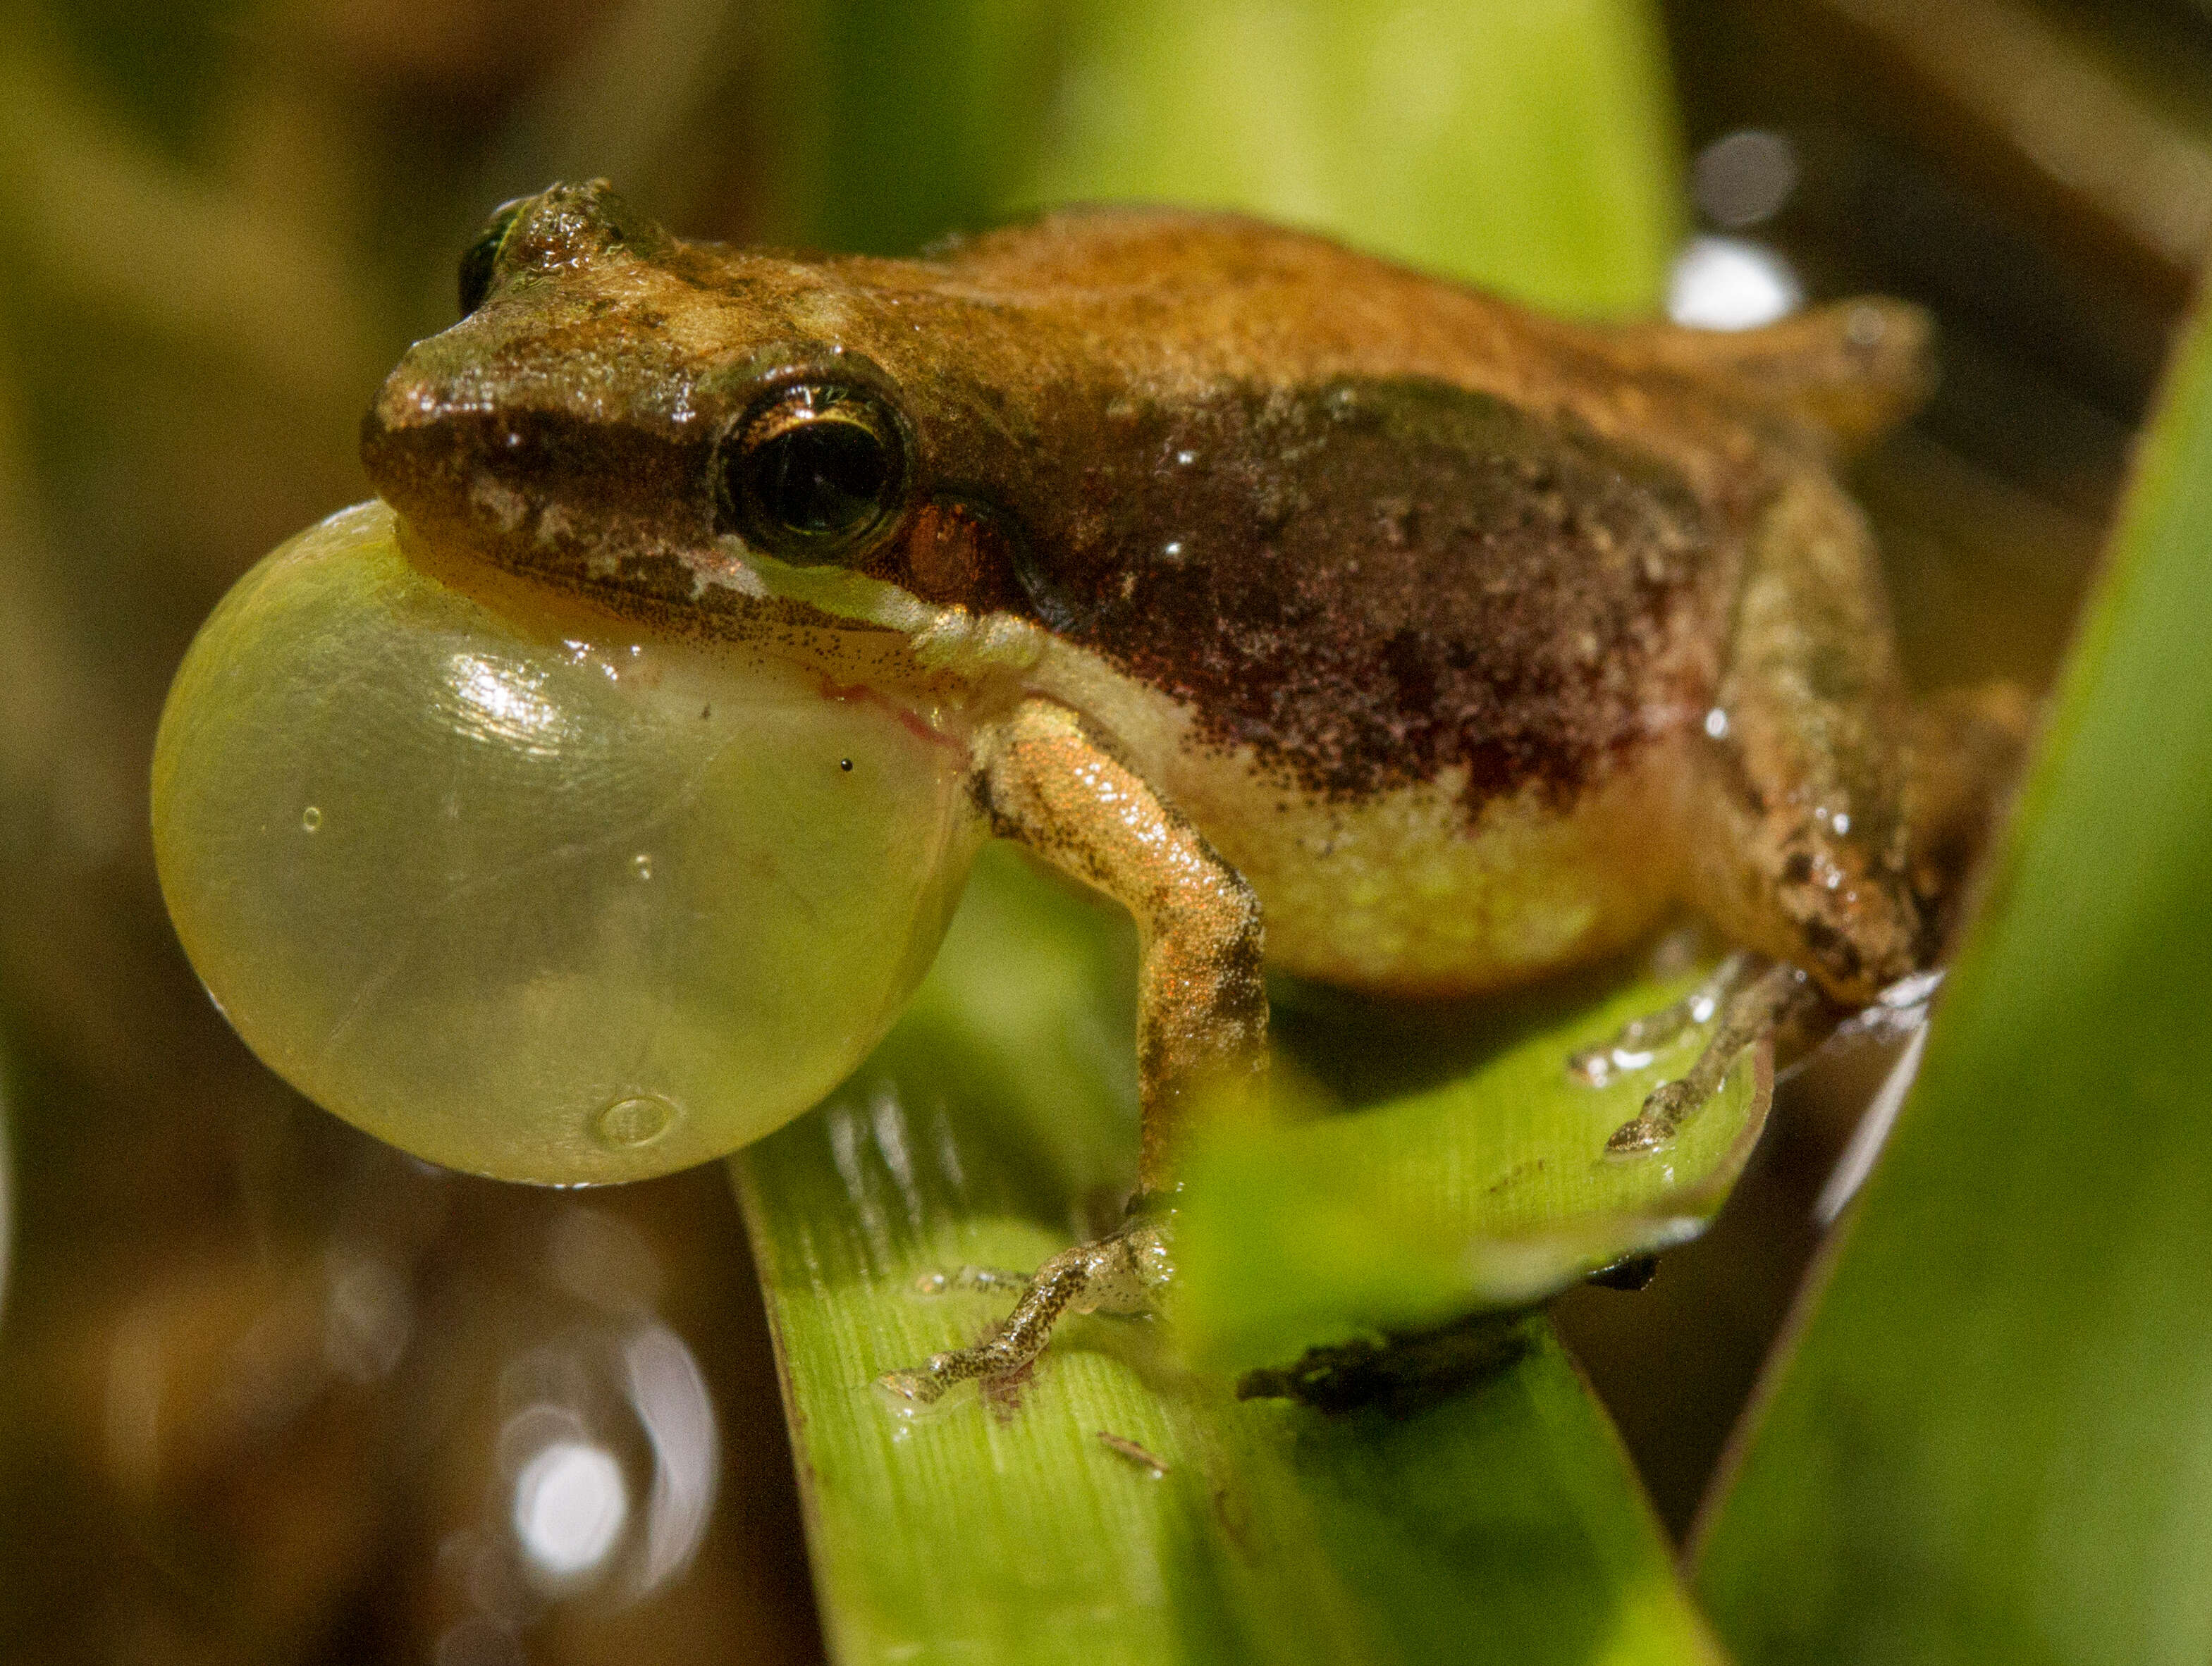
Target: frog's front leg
(1121, 1273)
(1048, 784)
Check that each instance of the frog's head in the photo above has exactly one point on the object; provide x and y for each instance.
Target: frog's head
(684, 432)
(573, 837)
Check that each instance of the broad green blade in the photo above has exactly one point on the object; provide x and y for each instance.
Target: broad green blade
(1530, 146)
(1993, 1441)
(1490, 1188)
(1494, 1520)
(1413, 130)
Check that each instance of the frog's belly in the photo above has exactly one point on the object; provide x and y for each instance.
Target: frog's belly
(1407, 894)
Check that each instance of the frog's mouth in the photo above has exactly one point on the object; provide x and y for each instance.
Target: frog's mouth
(942, 636)
(475, 490)
(548, 496)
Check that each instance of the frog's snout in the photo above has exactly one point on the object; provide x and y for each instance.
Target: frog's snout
(482, 458)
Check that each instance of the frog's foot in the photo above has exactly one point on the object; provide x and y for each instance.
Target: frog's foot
(1120, 1273)
(969, 1278)
(1638, 1042)
(1751, 1012)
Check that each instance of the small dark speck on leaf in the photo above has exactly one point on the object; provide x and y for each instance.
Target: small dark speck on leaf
(1130, 1449)
(845, 764)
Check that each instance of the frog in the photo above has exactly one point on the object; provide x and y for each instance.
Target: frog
(1336, 620)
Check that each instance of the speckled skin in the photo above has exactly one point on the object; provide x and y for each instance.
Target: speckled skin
(1473, 640)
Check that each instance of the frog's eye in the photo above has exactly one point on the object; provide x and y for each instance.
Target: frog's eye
(812, 474)
(478, 264)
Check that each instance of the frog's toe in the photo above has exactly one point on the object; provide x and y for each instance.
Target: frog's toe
(1664, 1109)
(922, 1386)
(939, 1282)
(1633, 1139)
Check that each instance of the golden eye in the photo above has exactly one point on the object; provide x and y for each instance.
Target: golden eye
(814, 474)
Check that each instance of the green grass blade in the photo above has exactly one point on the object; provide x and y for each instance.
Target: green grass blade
(1993, 1441)
(1486, 1189)
(1492, 1521)
(1527, 146)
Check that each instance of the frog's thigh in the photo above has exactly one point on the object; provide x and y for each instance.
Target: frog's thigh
(1797, 825)
(1201, 1007)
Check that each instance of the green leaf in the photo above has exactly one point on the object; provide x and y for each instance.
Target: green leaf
(1491, 1519)
(1993, 1441)
(1530, 147)
(1489, 1189)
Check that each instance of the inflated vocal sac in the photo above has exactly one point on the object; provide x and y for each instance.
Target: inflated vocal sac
(551, 902)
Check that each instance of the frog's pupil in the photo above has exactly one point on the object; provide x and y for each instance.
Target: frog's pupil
(825, 479)
(814, 474)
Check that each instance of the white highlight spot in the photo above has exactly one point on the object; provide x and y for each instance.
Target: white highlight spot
(669, 1393)
(501, 702)
(1730, 283)
(1872, 1134)
(570, 1503)
(1745, 177)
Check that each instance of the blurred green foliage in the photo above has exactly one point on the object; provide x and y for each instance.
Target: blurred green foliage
(1411, 130)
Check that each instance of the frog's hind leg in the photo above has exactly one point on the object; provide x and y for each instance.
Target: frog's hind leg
(1633, 1045)
(1751, 1012)
(1796, 817)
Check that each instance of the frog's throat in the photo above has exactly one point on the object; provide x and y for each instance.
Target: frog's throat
(943, 637)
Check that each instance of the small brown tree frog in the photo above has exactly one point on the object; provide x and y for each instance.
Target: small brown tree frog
(1325, 616)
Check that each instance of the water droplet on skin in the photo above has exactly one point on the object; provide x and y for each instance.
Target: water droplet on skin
(642, 866)
(633, 1121)
(310, 819)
